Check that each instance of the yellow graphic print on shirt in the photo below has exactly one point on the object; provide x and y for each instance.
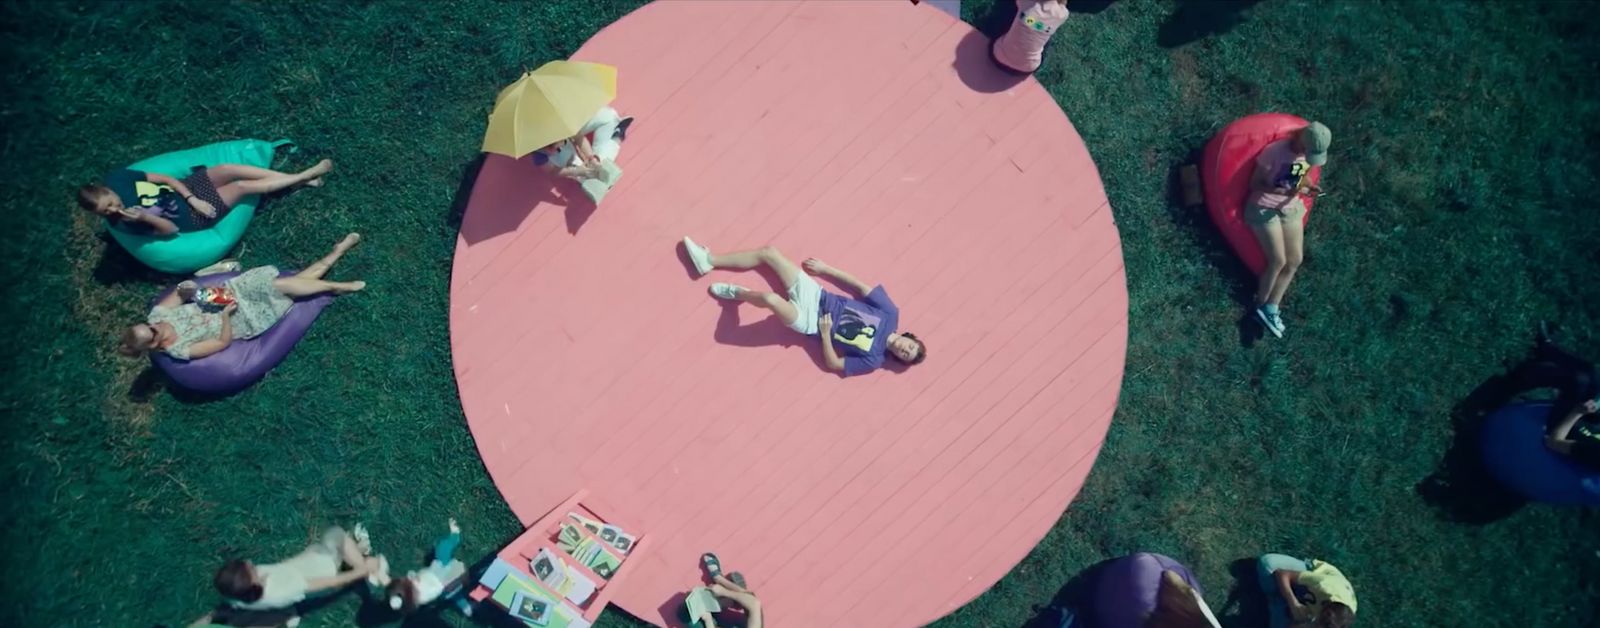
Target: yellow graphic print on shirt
(856, 335)
(150, 193)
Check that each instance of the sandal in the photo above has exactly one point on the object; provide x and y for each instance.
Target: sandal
(738, 578)
(712, 565)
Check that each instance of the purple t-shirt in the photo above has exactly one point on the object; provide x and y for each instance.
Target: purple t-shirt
(861, 329)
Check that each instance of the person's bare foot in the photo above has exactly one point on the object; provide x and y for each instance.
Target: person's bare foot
(316, 172)
(348, 242)
(349, 287)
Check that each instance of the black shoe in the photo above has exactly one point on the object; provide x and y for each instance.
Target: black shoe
(622, 128)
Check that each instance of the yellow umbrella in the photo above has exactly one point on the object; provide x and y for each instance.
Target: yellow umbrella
(548, 105)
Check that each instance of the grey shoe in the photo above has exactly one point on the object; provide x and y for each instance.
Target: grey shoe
(725, 291)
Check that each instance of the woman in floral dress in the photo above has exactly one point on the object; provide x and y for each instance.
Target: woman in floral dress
(187, 331)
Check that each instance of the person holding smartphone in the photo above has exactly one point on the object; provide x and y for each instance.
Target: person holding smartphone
(1276, 213)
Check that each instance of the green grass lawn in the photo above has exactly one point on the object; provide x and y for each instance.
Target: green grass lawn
(1464, 163)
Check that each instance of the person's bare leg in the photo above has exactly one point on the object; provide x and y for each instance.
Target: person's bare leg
(787, 271)
(1294, 239)
(297, 287)
(321, 266)
(731, 585)
(752, 606)
(771, 301)
(234, 182)
(1270, 236)
(240, 173)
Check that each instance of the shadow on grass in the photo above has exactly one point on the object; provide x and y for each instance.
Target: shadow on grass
(1197, 19)
(458, 203)
(1077, 595)
(1246, 604)
(1196, 221)
(1461, 489)
(118, 267)
(146, 385)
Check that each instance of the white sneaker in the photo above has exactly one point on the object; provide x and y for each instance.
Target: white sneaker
(363, 539)
(1272, 321)
(224, 266)
(725, 291)
(699, 256)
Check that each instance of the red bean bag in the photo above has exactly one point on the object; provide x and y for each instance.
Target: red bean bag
(1225, 169)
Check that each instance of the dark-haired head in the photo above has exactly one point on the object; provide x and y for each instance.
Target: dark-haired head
(99, 199)
(908, 349)
(237, 580)
(401, 595)
(1335, 615)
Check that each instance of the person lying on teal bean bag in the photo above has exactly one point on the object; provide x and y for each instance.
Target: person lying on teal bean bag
(185, 210)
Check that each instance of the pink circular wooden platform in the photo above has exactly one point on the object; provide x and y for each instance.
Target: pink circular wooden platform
(874, 135)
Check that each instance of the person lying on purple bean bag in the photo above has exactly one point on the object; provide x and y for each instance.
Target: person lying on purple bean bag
(215, 317)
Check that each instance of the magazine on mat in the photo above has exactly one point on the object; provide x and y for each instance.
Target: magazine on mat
(614, 536)
(554, 573)
(531, 607)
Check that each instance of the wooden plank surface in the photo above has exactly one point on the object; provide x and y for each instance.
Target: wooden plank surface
(874, 135)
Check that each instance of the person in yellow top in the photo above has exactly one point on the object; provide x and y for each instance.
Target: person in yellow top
(1306, 592)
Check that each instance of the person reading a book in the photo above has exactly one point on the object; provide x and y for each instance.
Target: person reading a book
(314, 571)
(419, 588)
(703, 603)
(1572, 428)
(1305, 593)
(856, 332)
(592, 163)
(1276, 213)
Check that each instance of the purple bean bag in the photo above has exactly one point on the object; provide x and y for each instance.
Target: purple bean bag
(1515, 454)
(244, 361)
(1125, 591)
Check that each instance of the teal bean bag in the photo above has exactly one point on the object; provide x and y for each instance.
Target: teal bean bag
(184, 253)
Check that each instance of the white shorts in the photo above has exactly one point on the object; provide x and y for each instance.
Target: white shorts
(806, 297)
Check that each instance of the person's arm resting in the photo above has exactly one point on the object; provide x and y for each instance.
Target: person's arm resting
(324, 584)
(207, 347)
(1557, 440)
(830, 355)
(849, 280)
(176, 185)
(160, 225)
(1286, 579)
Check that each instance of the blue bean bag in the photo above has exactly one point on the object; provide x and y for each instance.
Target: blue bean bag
(184, 253)
(1515, 454)
(243, 362)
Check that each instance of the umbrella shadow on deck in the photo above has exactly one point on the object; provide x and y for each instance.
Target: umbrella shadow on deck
(498, 193)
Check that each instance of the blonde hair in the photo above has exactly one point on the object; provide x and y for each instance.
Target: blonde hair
(130, 343)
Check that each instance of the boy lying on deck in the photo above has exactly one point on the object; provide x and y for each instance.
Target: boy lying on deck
(861, 331)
